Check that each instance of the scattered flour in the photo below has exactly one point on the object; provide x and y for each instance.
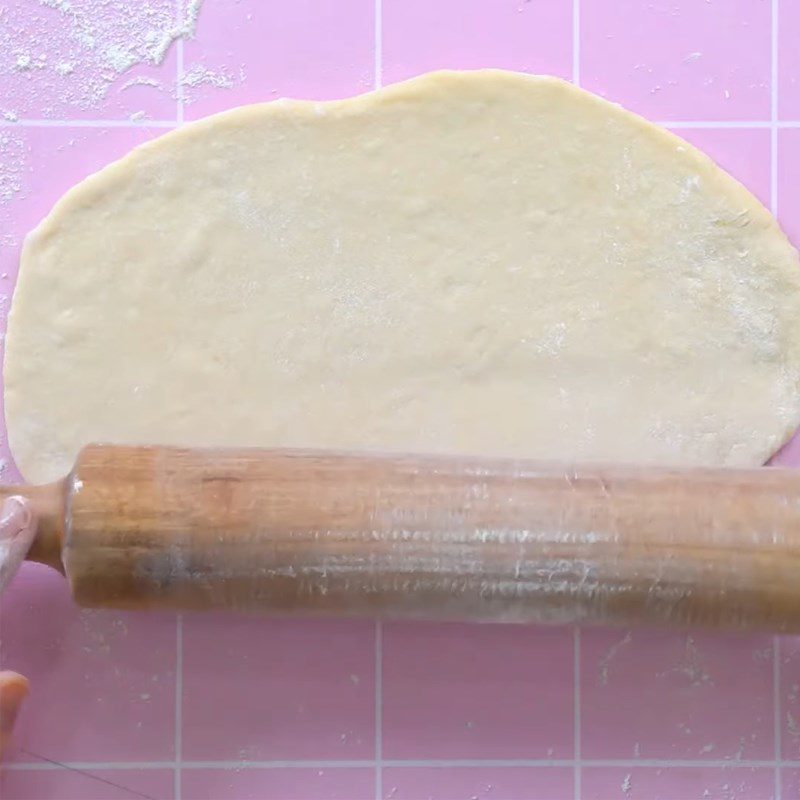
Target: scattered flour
(739, 753)
(690, 666)
(197, 74)
(200, 75)
(13, 165)
(69, 53)
(792, 725)
(183, 30)
(72, 54)
(120, 59)
(140, 81)
(763, 655)
(65, 68)
(608, 658)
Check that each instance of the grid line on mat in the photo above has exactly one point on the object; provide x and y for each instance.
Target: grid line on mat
(576, 636)
(576, 42)
(378, 57)
(178, 752)
(378, 667)
(655, 763)
(774, 80)
(178, 743)
(744, 124)
(773, 199)
(378, 710)
(578, 762)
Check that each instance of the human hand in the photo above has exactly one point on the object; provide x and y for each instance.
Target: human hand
(17, 531)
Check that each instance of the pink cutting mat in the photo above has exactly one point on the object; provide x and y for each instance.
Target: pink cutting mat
(198, 707)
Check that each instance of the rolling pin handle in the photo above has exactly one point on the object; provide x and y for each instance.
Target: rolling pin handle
(17, 532)
(47, 506)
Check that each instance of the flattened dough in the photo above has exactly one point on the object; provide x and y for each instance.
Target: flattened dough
(464, 262)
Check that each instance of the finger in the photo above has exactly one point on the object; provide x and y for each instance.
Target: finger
(13, 690)
(15, 516)
(17, 532)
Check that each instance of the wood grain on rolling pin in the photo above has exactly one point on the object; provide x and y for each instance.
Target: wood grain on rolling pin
(425, 537)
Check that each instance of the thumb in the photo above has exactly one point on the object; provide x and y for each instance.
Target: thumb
(17, 531)
(13, 690)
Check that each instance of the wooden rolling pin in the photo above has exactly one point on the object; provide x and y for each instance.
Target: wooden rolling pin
(424, 537)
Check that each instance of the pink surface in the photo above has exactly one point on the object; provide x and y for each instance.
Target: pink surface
(789, 60)
(103, 683)
(347, 783)
(790, 691)
(257, 692)
(682, 59)
(99, 784)
(314, 49)
(789, 182)
(790, 779)
(679, 783)
(524, 708)
(419, 35)
(656, 695)
(492, 783)
(228, 707)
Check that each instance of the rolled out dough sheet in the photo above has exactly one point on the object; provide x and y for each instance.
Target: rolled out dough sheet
(484, 262)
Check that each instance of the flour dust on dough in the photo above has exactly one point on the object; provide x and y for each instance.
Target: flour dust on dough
(465, 262)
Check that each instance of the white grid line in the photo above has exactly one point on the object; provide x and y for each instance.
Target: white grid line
(576, 640)
(622, 763)
(378, 44)
(576, 636)
(378, 710)
(178, 704)
(378, 699)
(179, 72)
(776, 697)
(178, 743)
(87, 123)
(576, 655)
(576, 42)
(773, 161)
(721, 124)
(773, 195)
(166, 123)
